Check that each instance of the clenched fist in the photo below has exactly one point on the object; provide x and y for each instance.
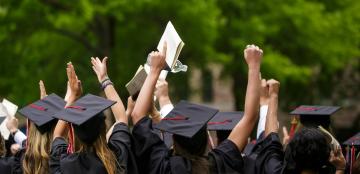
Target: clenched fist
(253, 55)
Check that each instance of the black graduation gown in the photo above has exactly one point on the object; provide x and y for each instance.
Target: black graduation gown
(266, 157)
(6, 165)
(119, 143)
(155, 157)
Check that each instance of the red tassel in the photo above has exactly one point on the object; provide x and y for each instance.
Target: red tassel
(352, 160)
(294, 124)
(27, 132)
(40, 108)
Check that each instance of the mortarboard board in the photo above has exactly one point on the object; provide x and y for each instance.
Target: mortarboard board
(186, 119)
(85, 116)
(41, 111)
(313, 116)
(354, 140)
(224, 120)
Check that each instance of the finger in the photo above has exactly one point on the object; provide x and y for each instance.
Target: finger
(104, 61)
(98, 60)
(164, 48)
(93, 61)
(285, 132)
(263, 83)
(95, 70)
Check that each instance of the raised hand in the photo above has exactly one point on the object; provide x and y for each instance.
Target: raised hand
(157, 59)
(286, 137)
(264, 93)
(253, 55)
(100, 68)
(42, 89)
(273, 87)
(337, 159)
(74, 84)
(12, 124)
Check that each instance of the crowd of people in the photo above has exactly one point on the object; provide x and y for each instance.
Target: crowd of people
(69, 135)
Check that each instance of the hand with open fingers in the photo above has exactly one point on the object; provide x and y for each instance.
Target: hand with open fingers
(286, 138)
(12, 124)
(42, 89)
(264, 93)
(130, 106)
(100, 68)
(273, 87)
(74, 83)
(253, 55)
(157, 59)
(337, 159)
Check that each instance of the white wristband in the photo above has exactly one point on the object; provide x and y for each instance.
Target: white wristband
(165, 110)
(19, 137)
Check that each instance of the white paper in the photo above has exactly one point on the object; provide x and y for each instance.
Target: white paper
(173, 41)
(10, 107)
(4, 130)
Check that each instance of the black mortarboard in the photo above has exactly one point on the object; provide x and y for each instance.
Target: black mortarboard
(224, 121)
(41, 111)
(86, 116)
(354, 140)
(313, 116)
(186, 119)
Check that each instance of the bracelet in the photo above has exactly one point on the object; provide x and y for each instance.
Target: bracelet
(106, 79)
(105, 84)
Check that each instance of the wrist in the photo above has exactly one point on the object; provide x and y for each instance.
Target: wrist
(254, 66)
(274, 96)
(155, 70)
(164, 100)
(104, 78)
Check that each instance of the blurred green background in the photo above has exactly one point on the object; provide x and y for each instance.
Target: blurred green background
(311, 46)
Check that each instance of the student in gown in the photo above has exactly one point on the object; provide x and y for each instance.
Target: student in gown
(34, 157)
(96, 154)
(6, 163)
(226, 158)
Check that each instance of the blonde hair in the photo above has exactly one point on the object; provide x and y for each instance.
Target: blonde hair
(102, 151)
(36, 158)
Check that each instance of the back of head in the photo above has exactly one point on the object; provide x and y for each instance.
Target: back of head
(194, 150)
(37, 152)
(308, 150)
(96, 142)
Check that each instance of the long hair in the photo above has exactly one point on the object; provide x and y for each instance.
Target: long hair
(36, 157)
(2, 146)
(194, 150)
(308, 150)
(100, 147)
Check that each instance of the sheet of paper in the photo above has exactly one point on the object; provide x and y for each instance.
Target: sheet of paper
(173, 40)
(3, 129)
(10, 107)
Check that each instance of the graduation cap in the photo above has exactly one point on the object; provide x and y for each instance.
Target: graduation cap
(41, 111)
(186, 119)
(86, 116)
(354, 140)
(313, 116)
(351, 156)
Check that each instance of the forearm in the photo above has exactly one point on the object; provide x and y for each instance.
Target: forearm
(118, 109)
(144, 102)
(61, 129)
(164, 100)
(243, 129)
(271, 118)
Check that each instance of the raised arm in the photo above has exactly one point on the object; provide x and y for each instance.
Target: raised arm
(74, 90)
(271, 118)
(100, 69)
(242, 130)
(143, 101)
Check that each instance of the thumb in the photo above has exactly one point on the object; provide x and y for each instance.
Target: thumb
(104, 61)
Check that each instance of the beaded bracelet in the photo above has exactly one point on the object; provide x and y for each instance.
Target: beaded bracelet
(105, 83)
